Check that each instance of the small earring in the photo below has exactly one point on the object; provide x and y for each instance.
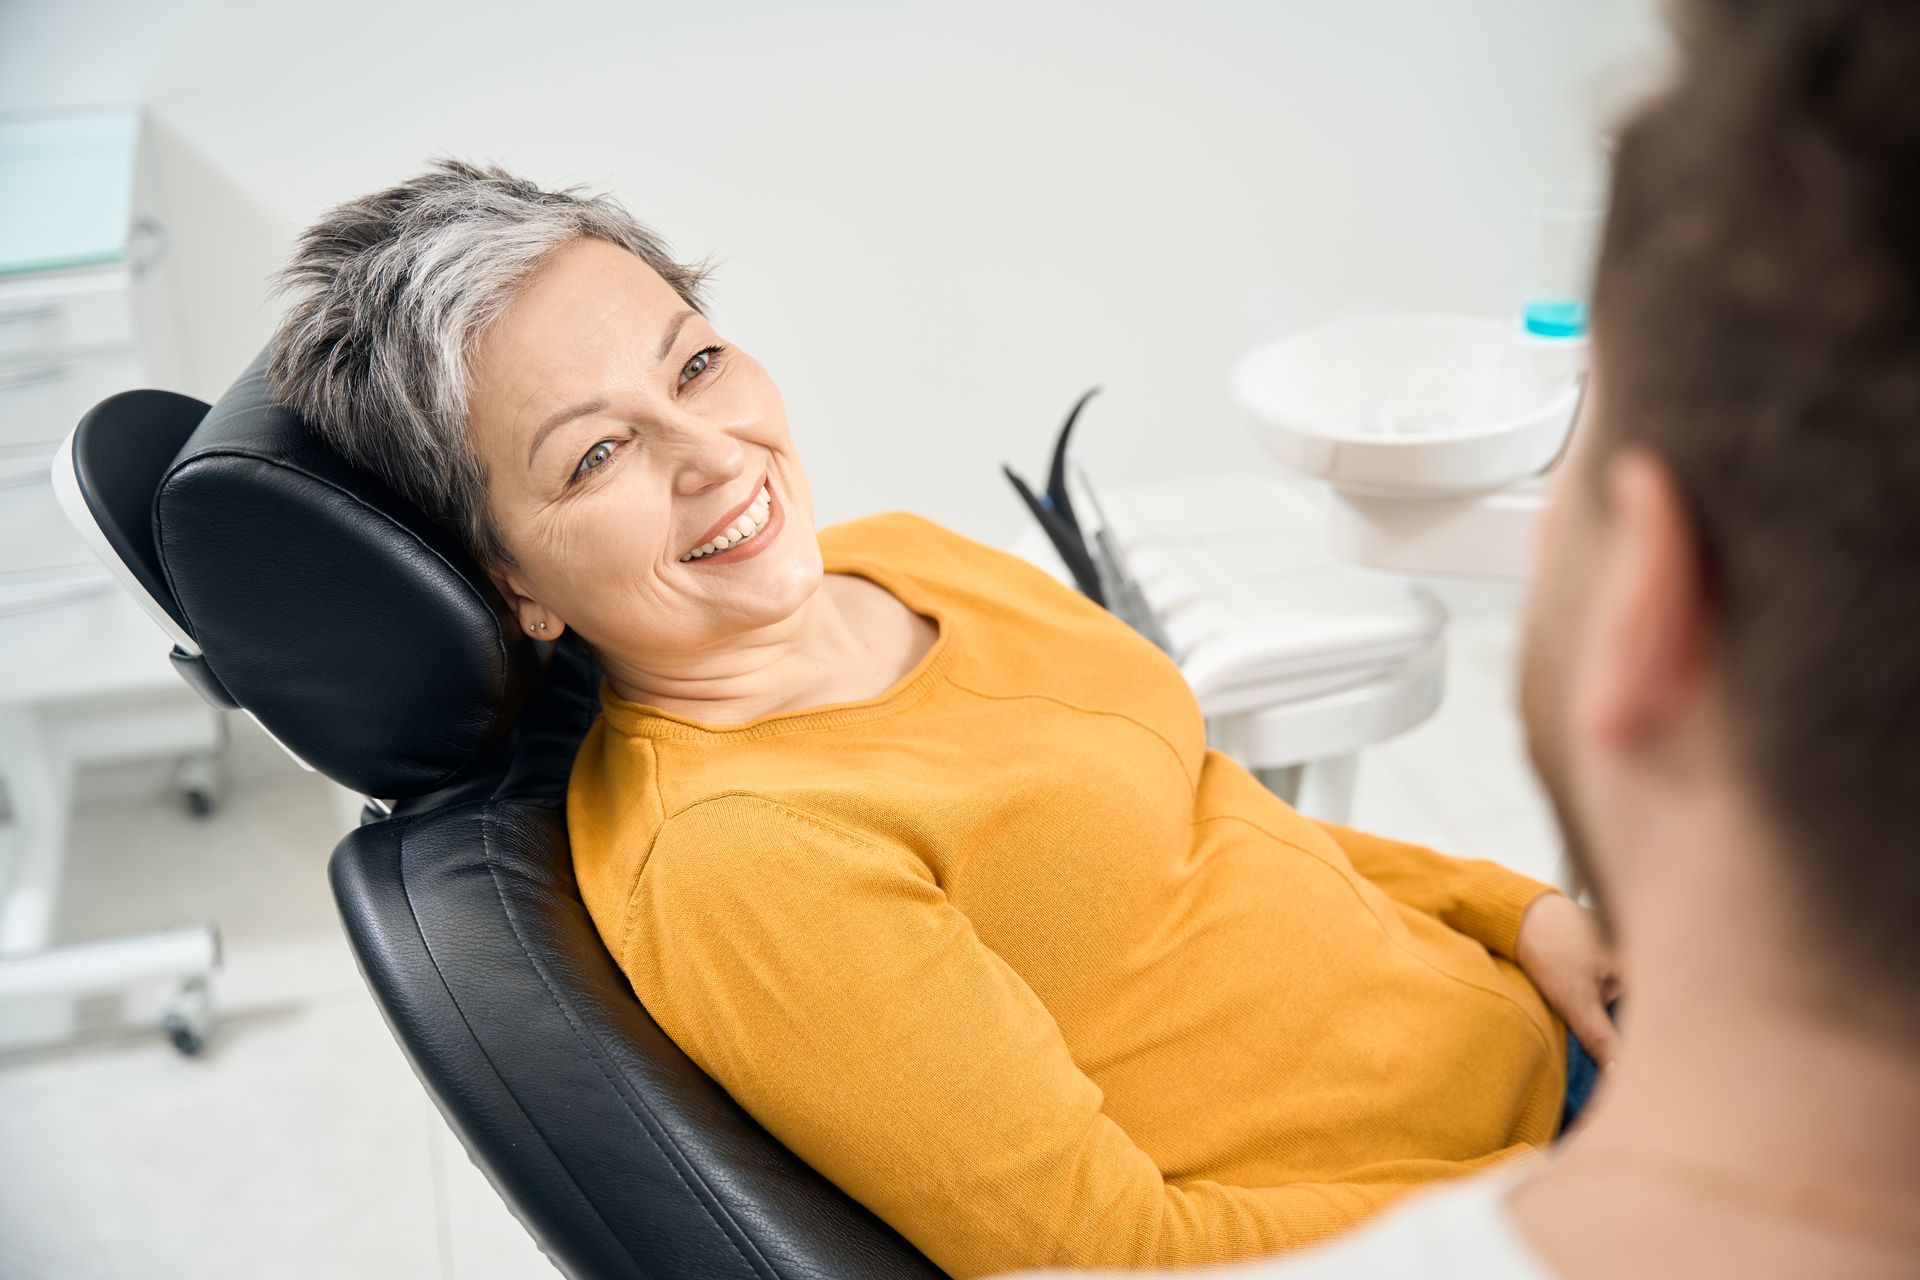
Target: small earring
(539, 626)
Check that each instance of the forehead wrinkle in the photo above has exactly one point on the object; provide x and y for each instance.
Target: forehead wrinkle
(596, 345)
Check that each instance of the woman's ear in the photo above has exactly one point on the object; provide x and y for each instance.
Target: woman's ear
(537, 621)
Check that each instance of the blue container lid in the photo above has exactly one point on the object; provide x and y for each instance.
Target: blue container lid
(1556, 318)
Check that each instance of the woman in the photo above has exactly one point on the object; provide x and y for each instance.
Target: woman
(918, 853)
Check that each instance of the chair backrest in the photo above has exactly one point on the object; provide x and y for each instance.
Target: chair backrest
(359, 634)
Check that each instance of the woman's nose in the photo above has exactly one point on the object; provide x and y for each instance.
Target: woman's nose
(706, 459)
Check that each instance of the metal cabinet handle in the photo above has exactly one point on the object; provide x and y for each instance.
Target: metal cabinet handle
(155, 235)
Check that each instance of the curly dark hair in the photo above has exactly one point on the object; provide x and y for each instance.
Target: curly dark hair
(1757, 310)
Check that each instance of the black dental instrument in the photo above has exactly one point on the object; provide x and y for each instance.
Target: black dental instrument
(1098, 566)
(1054, 510)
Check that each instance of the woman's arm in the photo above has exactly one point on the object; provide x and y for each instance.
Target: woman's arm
(826, 982)
(1481, 899)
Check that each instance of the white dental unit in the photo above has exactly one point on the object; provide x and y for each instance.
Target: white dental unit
(81, 681)
(1297, 661)
(1433, 433)
(1403, 444)
(1415, 444)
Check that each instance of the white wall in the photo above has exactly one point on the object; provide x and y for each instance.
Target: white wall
(937, 224)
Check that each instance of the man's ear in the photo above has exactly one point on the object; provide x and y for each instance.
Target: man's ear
(1649, 618)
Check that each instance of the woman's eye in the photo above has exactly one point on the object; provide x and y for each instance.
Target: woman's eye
(693, 368)
(595, 457)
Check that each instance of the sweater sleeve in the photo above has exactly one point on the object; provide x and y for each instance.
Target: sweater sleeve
(1481, 899)
(824, 980)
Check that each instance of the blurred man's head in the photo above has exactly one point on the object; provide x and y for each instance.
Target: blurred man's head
(1726, 626)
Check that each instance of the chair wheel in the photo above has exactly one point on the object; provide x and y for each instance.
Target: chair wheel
(202, 780)
(186, 1040)
(188, 1022)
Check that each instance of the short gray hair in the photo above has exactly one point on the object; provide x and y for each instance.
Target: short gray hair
(392, 292)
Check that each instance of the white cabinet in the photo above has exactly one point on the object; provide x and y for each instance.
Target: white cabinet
(50, 316)
(68, 268)
(84, 675)
(66, 343)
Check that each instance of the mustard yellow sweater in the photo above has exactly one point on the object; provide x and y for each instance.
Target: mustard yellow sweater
(1014, 959)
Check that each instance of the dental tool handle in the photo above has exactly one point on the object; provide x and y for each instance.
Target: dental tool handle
(1130, 602)
(1057, 496)
(1066, 540)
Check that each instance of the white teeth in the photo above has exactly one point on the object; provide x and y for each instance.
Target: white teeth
(750, 523)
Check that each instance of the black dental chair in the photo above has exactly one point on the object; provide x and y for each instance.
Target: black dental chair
(359, 634)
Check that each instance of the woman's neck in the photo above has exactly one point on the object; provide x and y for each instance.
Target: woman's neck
(814, 656)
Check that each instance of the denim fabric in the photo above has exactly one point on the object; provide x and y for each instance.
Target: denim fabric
(1582, 1074)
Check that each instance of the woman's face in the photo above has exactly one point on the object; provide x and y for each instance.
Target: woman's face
(617, 428)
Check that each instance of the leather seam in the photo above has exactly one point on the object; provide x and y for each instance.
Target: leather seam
(649, 1123)
(427, 945)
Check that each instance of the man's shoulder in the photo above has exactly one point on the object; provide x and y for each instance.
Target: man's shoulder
(1458, 1230)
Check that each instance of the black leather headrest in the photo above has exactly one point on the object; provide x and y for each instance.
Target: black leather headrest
(354, 628)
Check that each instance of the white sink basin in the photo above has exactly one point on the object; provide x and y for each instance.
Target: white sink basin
(1410, 406)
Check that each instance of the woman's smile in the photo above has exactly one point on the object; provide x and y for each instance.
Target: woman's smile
(767, 518)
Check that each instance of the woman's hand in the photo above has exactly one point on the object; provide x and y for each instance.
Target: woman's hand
(1561, 949)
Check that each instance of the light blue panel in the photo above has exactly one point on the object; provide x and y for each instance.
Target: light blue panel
(66, 188)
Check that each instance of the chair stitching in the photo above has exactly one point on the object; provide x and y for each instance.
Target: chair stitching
(478, 1043)
(649, 1122)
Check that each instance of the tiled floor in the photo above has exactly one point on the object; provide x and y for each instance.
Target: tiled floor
(299, 1144)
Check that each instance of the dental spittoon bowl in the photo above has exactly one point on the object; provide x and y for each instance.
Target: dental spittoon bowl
(1426, 405)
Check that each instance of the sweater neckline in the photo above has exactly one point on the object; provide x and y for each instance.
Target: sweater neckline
(639, 719)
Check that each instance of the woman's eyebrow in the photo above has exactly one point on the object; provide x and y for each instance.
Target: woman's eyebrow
(672, 335)
(565, 415)
(568, 414)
